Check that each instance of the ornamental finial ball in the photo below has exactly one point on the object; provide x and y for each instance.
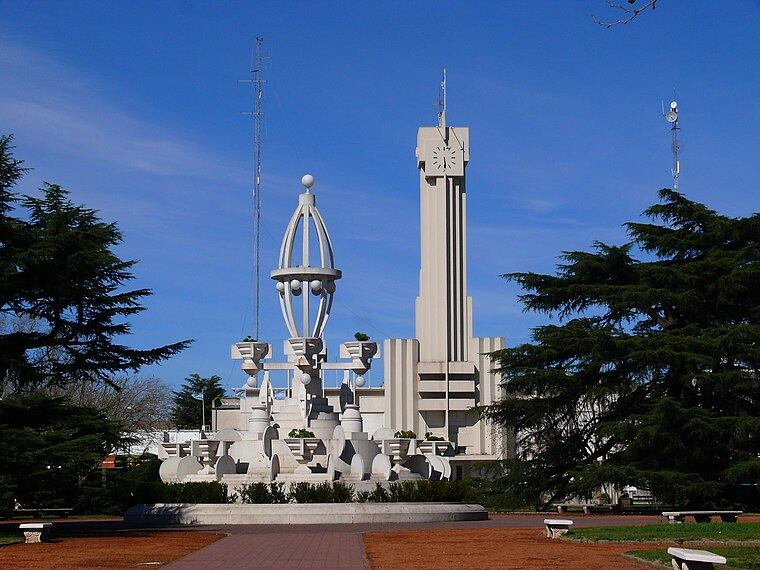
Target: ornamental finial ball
(307, 181)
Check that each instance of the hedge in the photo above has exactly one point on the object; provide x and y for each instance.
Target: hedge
(193, 492)
(421, 490)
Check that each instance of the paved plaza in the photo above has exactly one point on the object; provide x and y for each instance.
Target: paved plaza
(328, 546)
(338, 546)
(514, 541)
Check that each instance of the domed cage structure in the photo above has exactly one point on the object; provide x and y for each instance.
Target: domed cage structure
(304, 279)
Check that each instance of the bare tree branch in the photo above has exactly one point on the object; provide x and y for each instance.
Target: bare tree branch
(140, 403)
(630, 12)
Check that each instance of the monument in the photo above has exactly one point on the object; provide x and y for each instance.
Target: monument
(420, 423)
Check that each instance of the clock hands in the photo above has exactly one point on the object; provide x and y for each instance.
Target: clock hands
(444, 158)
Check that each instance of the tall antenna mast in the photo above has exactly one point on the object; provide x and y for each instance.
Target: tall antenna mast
(257, 81)
(442, 101)
(672, 117)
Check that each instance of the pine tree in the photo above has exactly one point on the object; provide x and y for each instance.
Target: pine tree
(650, 377)
(51, 446)
(187, 412)
(63, 300)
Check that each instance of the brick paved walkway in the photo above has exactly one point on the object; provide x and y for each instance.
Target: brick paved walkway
(281, 551)
(333, 547)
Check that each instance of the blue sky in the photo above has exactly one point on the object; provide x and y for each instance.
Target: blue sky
(135, 108)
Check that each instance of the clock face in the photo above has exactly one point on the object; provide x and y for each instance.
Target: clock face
(444, 158)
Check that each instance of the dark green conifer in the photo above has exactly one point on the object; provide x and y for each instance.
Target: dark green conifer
(187, 412)
(63, 299)
(650, 377)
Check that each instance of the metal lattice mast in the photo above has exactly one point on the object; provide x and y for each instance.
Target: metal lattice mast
(258, 119)
(257, 81)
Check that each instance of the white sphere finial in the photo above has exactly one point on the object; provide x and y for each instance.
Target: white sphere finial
(307, 181)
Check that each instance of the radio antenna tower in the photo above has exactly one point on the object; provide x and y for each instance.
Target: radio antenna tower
(672, 117)
(257, 82)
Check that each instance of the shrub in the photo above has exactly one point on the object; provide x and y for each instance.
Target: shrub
(342, 492)
(261, 493)
(405, 434)
(442, 491)
(193, 492)
(277, 492)
(361, 337)
(305, 492)
(363, 496)
(402, 491)
(424, 490)
(430, 437)
(380, 494)
(300, 433)
(335, 492)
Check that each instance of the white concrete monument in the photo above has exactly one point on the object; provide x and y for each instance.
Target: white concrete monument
(303, 430)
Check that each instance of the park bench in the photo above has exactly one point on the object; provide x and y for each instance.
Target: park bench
(687, 559)
(35, 532)
(586, 508)
(701, 516)
(557, 527)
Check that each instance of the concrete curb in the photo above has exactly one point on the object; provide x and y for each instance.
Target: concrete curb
(306, 513)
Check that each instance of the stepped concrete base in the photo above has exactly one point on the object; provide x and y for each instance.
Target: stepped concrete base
(307, 513)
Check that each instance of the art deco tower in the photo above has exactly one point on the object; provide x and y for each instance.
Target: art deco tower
(443, 309)
(433, 381)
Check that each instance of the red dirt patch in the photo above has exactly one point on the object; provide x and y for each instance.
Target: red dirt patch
(491, 548)
(123, 550)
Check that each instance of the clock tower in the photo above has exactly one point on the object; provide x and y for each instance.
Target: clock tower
(432, 382)
(443, 309)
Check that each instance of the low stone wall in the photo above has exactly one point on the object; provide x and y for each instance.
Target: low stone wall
(306, 513)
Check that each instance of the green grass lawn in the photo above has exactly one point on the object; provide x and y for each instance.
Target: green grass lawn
(737, 557)
(10, 537)
(675, 533)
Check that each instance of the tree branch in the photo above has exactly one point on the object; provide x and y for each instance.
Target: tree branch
(630, 13)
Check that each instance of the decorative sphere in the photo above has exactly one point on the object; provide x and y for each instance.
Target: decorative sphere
(359, 381)
(251, 382)
(316, 286)
(295, 287)
(307, 180)
(329, 286)
(305, 378)
(280, 286)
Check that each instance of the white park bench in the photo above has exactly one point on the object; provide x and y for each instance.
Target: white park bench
(35, 532)
(587, 508)
(701, 516)
(687, 559)
(557, 527)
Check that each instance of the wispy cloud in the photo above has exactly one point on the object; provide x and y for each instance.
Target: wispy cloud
(51, 104)
(542, 206)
